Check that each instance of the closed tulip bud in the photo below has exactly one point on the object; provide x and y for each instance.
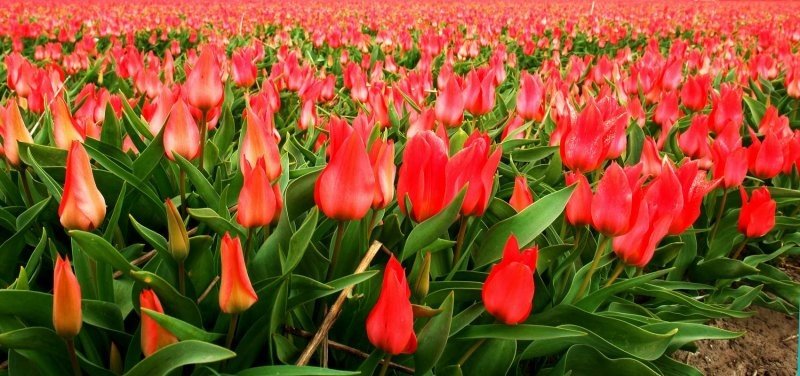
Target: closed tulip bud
(236, 294)
(665, 193)
(726, 108)
(64, 128)
(637, 246)
(346, 187)
(729, 166)
(154, 337)
(423, 282)
(765, 160)
(694, 186)
(650, 159)
(474, 166)
(508, 291)
(67, 317)
(14, 131)
(579, 206)
(521, 197)
(612, 204)
(479, 95)
(204, 83)
(181, 134)
(694, 93)
(530, 97)
(259, 201)
(243, 69)
(757, 216)
(584, 146)
(178, 237)
(308, 115)
(450, 104)
(694, 142)
(260, 143)
(390, 323)
(421, 178)
(382, 159)
(82, 205)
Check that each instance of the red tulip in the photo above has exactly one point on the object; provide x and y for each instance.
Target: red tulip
(757, 216)
(421, 178)
(236, 294)
(259, 142)
(64, 128)
(181, 134)
(381, 157)
(450, 104)
(637, 247)
(67, 316)
(243, 69)
(612, 203)
(650, 159)
(726, 108)
(158, 111)
(204, 82)
(694, 142)
(664, 194)
(521, 197)
(508, 291)
(512, 131)
(694, 94)
(82, 205)
(585, 144)
(579, 206)
(259, 200)
(14, 131)
(346, 187)
(308, 115)
(765, 160)
(390, 324)
(667, 111)
(729, 166)
(154, 337)
(476, 166)
(530, 97)
(479, 92)
(694, 186)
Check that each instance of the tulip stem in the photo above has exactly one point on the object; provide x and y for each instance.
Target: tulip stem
(337, 245)
(601, 246)
(231, 331)
(462, 231)
(73, 357)
(385, 367)
(203, 135)
(739, 250)
(719, 214)
(617, 271)
(470, 351)
(248, 243)
(182, 190)
(25, 186)
(182, 277)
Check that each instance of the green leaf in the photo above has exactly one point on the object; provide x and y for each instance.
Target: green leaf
(526, 225)
(429, 230)
(689, 332)
(295, 371)
(493, 357)
(101, 250)
(521, 332)
(721, 268)
(300, 241)
(30, 306)
(300, 194)
(597, 298)
(40, 345)
(172, 300)
(332, 287)
(218, 224)
(181, 329)
(111, 132)
(432, 338)
(177, 355)
(585, 360)
(200, 183)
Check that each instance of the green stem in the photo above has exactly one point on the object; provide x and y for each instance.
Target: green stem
(248, 243)
(740, 249)
(470, 351)
(73, 357)
(182, 189)
(617, 271)
(719, 214)
(25, 186)
(337, 245)
(598, 254)
(182, 277)
(231, 331)
(203, 135)
(462, 231)
(386, 362)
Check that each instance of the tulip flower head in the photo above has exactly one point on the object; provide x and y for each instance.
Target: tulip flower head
(154, 337)
(260, 201)
(390, 323)
(236, 293)
(204, 82)
(521, 197)
(346, 187)
(67, 316)
(508, 290)
(421, 178)
(82, 205)
(757, 216)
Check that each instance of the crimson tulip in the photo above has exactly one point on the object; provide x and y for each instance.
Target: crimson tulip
(584, 146)
(579, 207)
(346, 187)
(765, 160)
(390, 323)
(757, 216)
(521, 197)
(450, 104)
(530, 97)
(476, 166)
(421, 178)
(508, 291)
(612, 203)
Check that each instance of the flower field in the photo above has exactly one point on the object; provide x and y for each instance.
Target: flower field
(355, 188)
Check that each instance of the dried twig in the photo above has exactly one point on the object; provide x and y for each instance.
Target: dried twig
(208, 290)
(333, 314)
(140, 260)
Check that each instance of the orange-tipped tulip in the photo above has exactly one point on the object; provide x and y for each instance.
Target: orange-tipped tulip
(236, 294)
(382, 158)
(259, 200)
(204, 83)
(508, 290)
(521, 197)
(346, 187)
(67, 317)
(64, 129)
(14, 132)
(82, 205)
(153, 335)
(259, 142)
(390, 324)
(181, 134)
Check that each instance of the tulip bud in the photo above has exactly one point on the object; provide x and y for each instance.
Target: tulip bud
(473, 166)
(82, 205)
(181, 134)
(694, 94)
(757, 216)
(450, 104)
(115, 362)
(765, 160)
(522, 197)
(67, 316)
(204, 83)
(64, 129)
(259, 142)
(479, 95)
(178, 237)
(730, 166)
(154, 337)
(579, 206)
(530, 97)
(421, 178)
(584, 146)
(14, 131)
(259, 201)
(346, 187)
(612, 203)
(382, 159)
(236, 294)
(423, 281)
(509, 288)
(243, 69)
(390, 324)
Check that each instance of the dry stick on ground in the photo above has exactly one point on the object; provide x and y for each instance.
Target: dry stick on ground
(348, 349)
(333, 314)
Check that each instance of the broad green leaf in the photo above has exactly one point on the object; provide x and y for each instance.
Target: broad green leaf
(181, 329)
(585, 360)
(177, 355)
(426, 232)
(294, 371)
(433, 338)
(101, 250)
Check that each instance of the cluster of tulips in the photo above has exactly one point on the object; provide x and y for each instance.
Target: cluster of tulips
(471, 158)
